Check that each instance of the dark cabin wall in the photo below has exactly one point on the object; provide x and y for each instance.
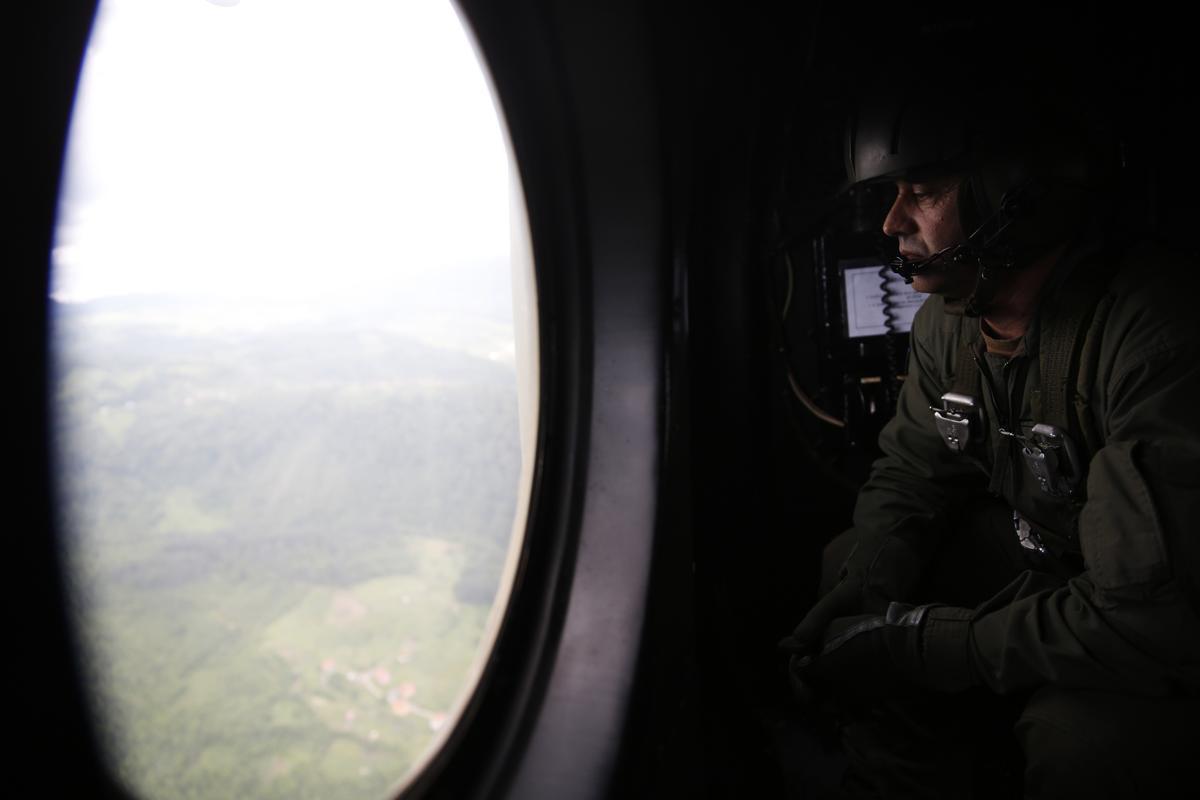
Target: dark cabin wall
(729, 566)
(760, 513)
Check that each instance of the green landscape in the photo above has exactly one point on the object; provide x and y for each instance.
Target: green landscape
(285, 542)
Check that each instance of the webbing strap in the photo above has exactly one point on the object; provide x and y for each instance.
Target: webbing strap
(1089, 363)
(967, 379)
(1067, 322)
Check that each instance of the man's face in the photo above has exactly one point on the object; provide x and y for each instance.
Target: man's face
(924, 220)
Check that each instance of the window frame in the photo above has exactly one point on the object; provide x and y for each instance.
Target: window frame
(560, 686)
(582, 118)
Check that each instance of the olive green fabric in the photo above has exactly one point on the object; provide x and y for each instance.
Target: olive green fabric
(1111, 606)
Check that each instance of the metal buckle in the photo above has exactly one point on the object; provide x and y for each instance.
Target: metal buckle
(956, 419)
(1051, 458)
(1026, 535)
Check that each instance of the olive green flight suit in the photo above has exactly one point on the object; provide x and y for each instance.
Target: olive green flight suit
(1109, 610)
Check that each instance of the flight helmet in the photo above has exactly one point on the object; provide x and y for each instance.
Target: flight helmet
(1021, 158)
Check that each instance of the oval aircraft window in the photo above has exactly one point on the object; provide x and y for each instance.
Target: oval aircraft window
(295, 389)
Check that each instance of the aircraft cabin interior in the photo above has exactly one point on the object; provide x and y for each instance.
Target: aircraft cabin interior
(718, 346)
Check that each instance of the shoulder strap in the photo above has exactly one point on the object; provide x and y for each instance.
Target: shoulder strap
(1069, 351)
(1089, 362)
(967, 379)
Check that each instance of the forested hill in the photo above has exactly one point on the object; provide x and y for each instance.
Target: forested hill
(334, 434)
(207, 458)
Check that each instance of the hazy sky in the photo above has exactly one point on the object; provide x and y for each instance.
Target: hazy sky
(294, 148)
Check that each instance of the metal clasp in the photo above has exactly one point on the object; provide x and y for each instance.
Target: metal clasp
(956, 419)
(1051, 458)
(1027, 536)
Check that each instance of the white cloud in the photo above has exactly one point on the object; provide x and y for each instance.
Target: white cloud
(279, 147)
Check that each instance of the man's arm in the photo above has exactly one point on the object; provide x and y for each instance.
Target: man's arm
(1129, 622)
(901, 512)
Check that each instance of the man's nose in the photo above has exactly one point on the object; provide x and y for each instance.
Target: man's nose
(898, 221)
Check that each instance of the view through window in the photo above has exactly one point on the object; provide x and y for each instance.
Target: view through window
(294, 404)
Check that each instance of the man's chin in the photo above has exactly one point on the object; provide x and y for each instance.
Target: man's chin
(950, 285)
(929, 284)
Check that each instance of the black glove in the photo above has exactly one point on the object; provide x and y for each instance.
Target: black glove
(872, 656)
(842, 600)
(875, 572)
(869, 655)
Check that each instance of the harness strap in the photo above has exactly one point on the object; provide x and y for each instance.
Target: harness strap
(1089, 364)
(1069, 351)
(967, 379)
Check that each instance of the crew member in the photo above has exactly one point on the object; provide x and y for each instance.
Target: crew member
(1016, 606)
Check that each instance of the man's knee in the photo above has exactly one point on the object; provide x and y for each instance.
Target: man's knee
(1099, 744)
